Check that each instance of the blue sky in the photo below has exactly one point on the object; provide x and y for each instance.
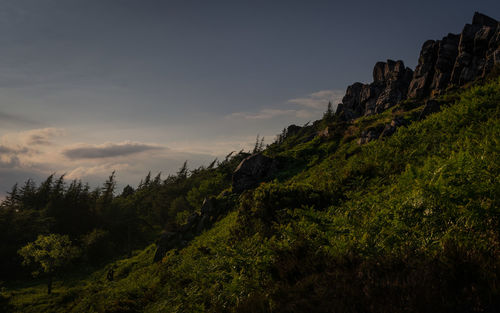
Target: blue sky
(89, 86)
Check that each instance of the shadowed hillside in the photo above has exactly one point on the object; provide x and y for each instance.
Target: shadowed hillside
(390, 204)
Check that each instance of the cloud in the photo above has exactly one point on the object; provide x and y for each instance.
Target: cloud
(107, 150)
(97, 170)
(319, 100)
(5, 149)
(263, 114)
(9, 161)
(41, 136)
(310, 106)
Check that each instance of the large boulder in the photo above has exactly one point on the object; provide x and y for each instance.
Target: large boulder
(350, 107)
(391, 128)
(395, 85)
(196, 223)
(251, 171)
(166, 242)
(389, 86)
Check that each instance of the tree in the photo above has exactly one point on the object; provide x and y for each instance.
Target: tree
(127, 191)
(261, 144)
(329, 112)
(183, 172)
(48, 254)
(256, 146)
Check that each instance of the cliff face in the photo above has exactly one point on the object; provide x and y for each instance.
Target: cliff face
(453, 60)
(390, 85)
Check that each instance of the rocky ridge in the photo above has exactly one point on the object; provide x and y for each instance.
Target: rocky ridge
(452, 61)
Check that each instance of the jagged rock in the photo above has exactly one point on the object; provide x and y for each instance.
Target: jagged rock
(350, 107)
(391, 128)
(324, 133)
(493, 52)
(367, 136)
(424, 72)
(446, 54)
(166, 242)
(293, 129)
(195, 224)
(390, 85)
(209, 206)
(476, 50)
(191, 223)
(397, 78)
(483, 20)
(431, 106)
(453, 60)
(457, 59)
(251, 171)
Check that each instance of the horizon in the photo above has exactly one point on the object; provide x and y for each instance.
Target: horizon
(91, 87)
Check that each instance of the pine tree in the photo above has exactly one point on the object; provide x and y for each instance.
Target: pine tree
(329, 112)
(183, 171)
(261, 145)
(256, 146)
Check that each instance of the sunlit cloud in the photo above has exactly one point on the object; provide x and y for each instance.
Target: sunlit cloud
(310, 106)
(41, 136)
(97, 170)
(263, 114)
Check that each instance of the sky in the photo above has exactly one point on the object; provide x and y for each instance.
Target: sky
(92, 86)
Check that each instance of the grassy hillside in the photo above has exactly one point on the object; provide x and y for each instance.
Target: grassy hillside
(407, 223)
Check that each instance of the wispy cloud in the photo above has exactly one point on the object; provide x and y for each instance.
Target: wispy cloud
(263, 114)
(319, 100)
(306, 107)
(42, 136)
(97, 170)
(107, 150)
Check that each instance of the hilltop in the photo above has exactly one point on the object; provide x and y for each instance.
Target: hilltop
(388, 204)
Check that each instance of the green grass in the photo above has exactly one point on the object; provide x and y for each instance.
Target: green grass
(409, 221)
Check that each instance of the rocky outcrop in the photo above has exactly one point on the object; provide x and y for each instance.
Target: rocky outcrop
(167, 242)
(389, 86)
(251, 171)
(381, 131)
(431, 106)
(424, 72)
(391, 128)
(368, 135)
(325, 133)
(196, 223)
(293, 129)
(453, 60)
(457, 59)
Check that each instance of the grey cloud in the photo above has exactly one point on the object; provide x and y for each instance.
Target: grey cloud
(9, 162)
(4, 149)
(39, 140)
(8, 150)
(108, 150)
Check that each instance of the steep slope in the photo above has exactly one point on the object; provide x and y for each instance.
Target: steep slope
(406, 219)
